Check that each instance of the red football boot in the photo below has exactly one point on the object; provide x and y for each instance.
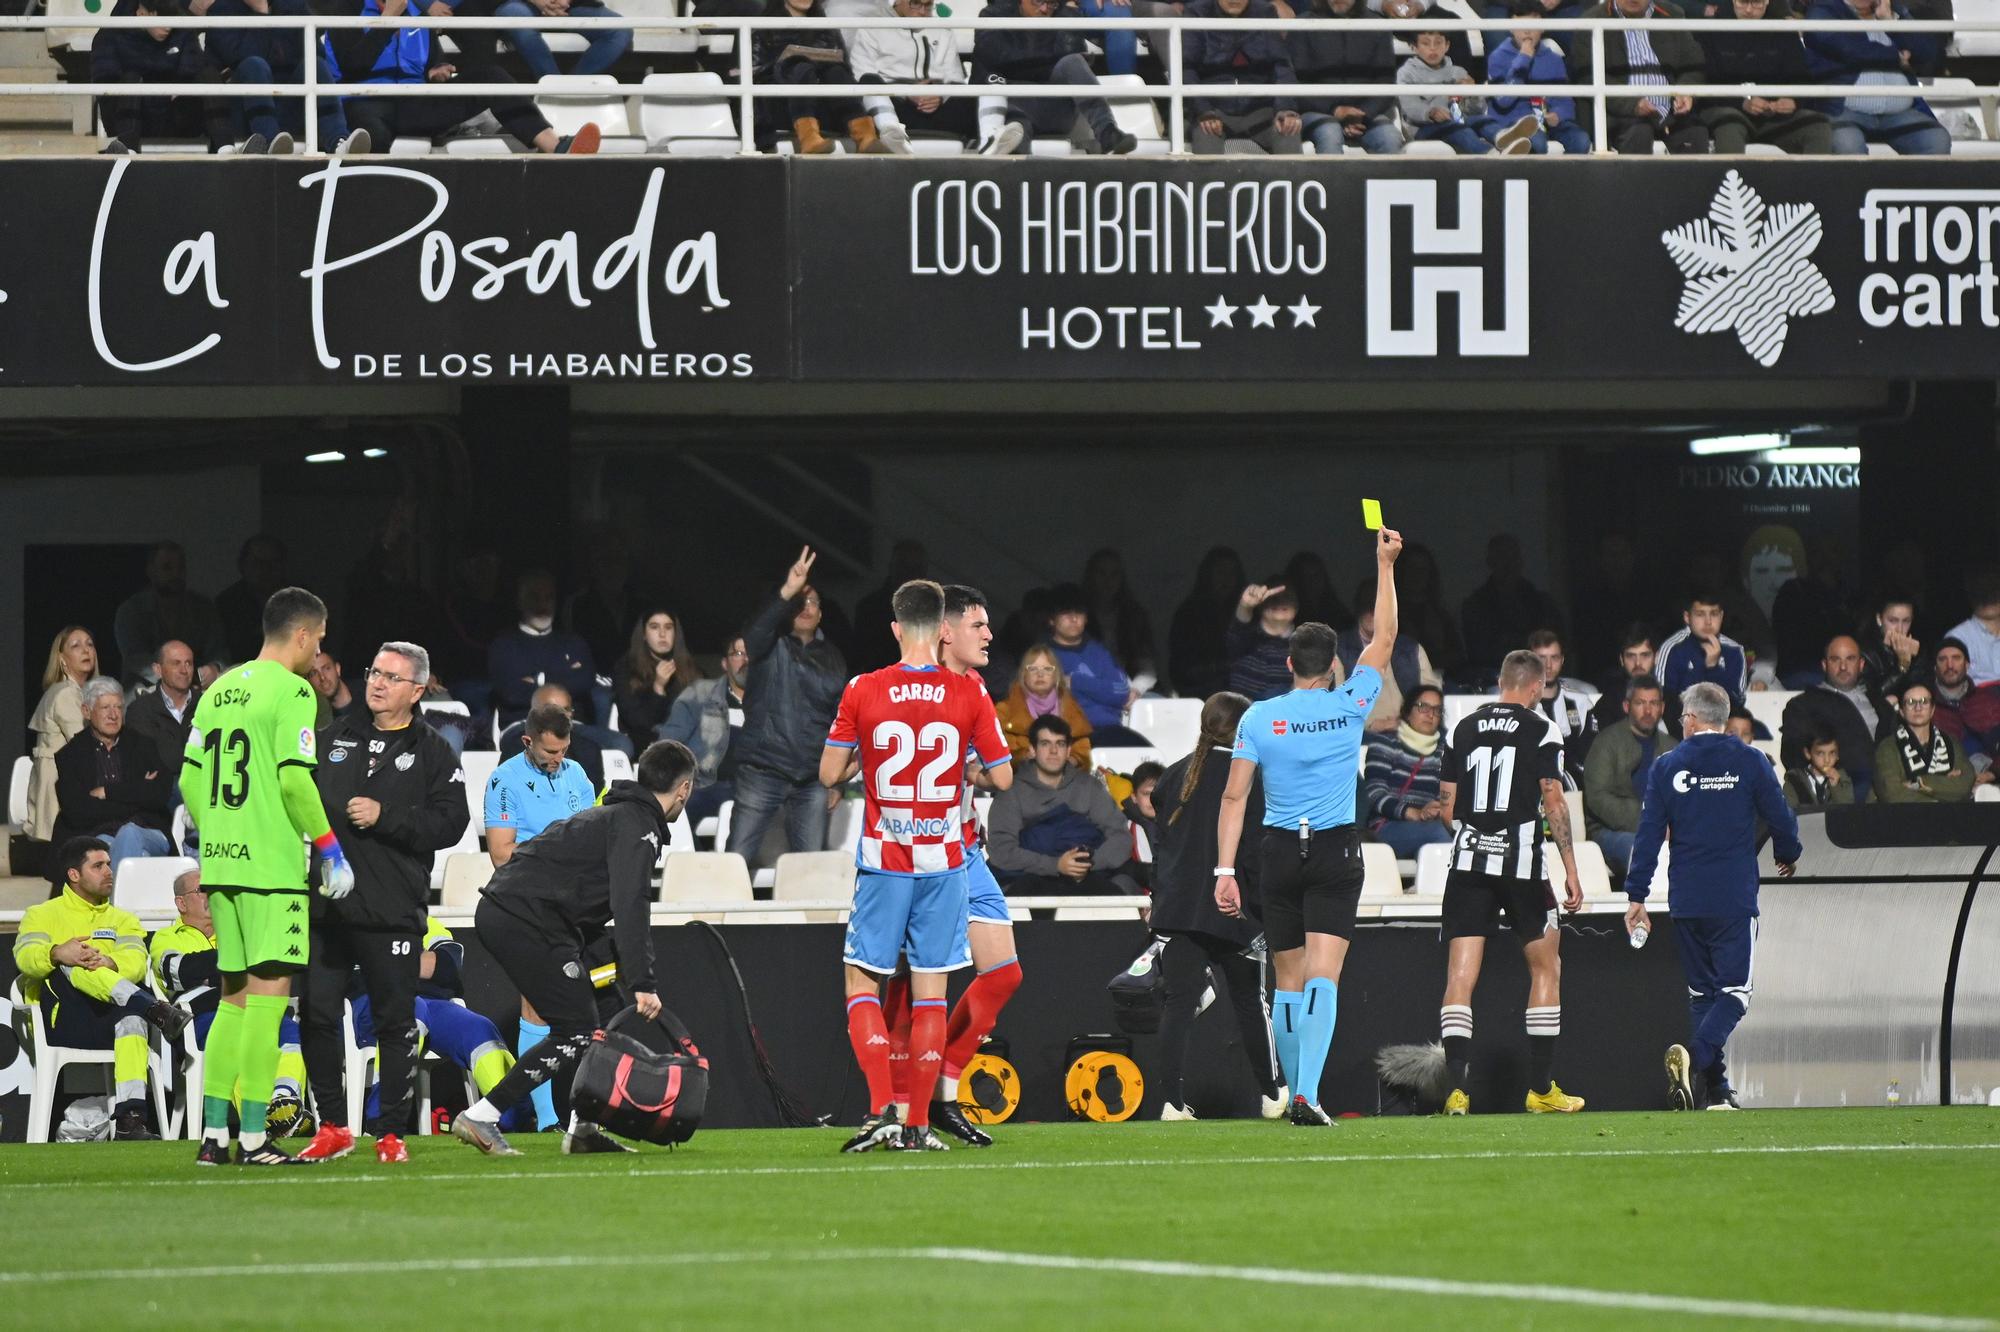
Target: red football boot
(331, 1141)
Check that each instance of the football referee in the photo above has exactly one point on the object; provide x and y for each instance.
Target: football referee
(1308, 743)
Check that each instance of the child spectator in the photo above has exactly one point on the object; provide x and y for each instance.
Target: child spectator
(1521, 125)
(1440, 115)
(1822, 783)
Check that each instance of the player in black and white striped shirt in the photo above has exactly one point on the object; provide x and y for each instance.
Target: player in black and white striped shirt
(1501, 771)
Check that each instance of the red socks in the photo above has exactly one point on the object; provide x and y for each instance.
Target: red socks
(870, 1039)
(927, 1025)
(896, 1016)
(978, 1009)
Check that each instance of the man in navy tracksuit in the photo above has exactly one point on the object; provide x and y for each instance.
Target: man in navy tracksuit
(1710, 792)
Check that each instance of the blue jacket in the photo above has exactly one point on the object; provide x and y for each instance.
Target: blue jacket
(384, 55)
(1506, 64)
(1097, 680)
(1710, 790)
(1683, 664)
(280, 47)
(1838, 57)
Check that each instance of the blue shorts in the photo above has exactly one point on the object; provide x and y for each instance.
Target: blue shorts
(896, 914)
(985, 902)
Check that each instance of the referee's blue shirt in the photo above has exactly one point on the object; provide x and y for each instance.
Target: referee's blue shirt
(1308, 743)
(523, 797)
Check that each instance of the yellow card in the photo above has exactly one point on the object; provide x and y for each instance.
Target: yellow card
(1371, 514)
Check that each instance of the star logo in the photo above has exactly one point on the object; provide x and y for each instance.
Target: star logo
(1749, 269)
(1222, 314)
(1263, 314)
(1302, 313)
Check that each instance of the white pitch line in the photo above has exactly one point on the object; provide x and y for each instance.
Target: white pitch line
(330, 1174)
(1431, 1287)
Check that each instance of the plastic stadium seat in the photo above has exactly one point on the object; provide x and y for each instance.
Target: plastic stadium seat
(815, 876)
(1050, 148)
(146, 883)
(1138, 117)
(659, 41)
(571, 101)
(478, 766)
(466, 874)
(1173, 725)
(409, 145)
(479, 145)
(706, 876)
(1985, 794)
(617, 766)
(445, 707)
(1966, 43)
(1768, 706)
(50, 1061)
(1433, 864)
(931, 146)
(74, 39)
(1123, 760)
(17, 791)
(1128, 911)
(702, 127)
(1381, 881)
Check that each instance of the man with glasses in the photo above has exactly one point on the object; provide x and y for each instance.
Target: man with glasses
(1708, 794)
(395, 796)
(915, 55)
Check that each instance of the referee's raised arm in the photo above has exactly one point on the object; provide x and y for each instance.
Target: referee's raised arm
(1388, 545)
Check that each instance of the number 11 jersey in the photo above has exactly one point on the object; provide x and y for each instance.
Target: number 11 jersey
(914, 727)
(1497, 757)
(255, 719)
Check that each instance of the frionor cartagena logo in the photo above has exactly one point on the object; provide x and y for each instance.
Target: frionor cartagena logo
(1748, 269)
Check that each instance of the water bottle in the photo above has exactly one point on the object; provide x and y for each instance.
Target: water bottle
(1895, 1096)
(1541, 114)
(1457, 111)
(1639, 936)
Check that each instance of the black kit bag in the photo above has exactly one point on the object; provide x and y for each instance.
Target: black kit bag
(627, 1088)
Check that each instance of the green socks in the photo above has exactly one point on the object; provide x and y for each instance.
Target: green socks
(257, 1066)
(221, 1057)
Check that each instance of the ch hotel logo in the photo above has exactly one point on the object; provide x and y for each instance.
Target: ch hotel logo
(1447, 259)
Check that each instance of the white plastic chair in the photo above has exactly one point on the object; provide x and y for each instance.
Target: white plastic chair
(478, 766)
(571, 101)
(1381, 881)
(617, 766)
(445, 707)
(705, 876)
(183, 1117)
(1433, 865)
(810, 876)
(467, 843)
(1128, 911)
(658, 41)
(1173, 725)
(1138, 117)
(466, 874)
(50, 1061)
(1768, 707)
(146, 883)
(684, 126)
(17, 791)
(1123, 759)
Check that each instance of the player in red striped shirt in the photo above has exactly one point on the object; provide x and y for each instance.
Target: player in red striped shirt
(909, 727)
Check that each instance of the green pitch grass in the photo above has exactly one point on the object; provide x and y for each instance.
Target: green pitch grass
(1864, 1217)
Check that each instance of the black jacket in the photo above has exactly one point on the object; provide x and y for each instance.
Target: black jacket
(119, 54)
(593, 869)
(131, 799)
(790, 697)
(1020, 55)
(148, 716)
(770, 44)
(1743, 56)
(1184, 853)
(417, 779)
(281, 47)
(1352, 55)
(1229, 55)
(1820, 711)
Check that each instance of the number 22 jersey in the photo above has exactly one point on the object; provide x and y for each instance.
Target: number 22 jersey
(255, 719)
(1497, 757)
(913, 727)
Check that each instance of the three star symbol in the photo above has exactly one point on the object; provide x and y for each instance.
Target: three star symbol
(1263, 314)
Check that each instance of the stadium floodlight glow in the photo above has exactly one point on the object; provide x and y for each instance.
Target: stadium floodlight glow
(1807, 455)
(1714, 444)
(374, 453)
(331, 455)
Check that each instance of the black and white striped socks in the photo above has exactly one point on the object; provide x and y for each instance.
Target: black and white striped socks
(1544, 1025)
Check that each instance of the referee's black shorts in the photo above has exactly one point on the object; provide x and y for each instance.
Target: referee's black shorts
(1314, 893)
(1474, 903)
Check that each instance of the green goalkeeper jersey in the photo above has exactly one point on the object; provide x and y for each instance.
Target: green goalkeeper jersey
(254, 720)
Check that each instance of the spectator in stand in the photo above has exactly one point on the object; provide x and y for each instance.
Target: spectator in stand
(534, 652)
(272, 54)
(1442, 116)
(1041, 690)
(803, 57)
(478, 610)
(1647, 55)
(1609, 595)
(1615, 775)
(586, 743)
(1702, 654)
(412, 55)
(1198, 640)
(1889, 655)
(1980, 631)
(165, 609)
(156, 55)
(1354, 55)
(1138, 806)
(1307, 577)
(1101, 687)
(57, 719)
(1748, 624)
(260, 571)
(1820, 784)
(1505, 609)
(1518, 125)
(1423, 612)
(1743, 726)
(875, 646)
(1053, 56)
(602, 612)
(1810, 607)
(1918, 762)
(1118, 621)
(336, 699)
(1734, 57)
(1467, 50)
(1260, 642)
(606, 46)
(1056, 829)
(164, 715)
(1399, 777)
(1840, 705)
(1214, 57)
(1895, 60)
(109, 783)
(1951, 687)
(926, 54)
(1409, 667)
(655, 667)
(1565, 701)
(707, 717)
(1636, 658)
(538, 785)
(795, 680)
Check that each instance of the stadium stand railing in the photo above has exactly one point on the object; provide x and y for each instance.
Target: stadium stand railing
(701, 113)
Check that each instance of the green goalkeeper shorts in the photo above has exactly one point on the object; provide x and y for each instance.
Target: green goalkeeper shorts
(256, 928)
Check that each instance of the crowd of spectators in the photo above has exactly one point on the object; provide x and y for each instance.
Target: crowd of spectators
(1419, 67)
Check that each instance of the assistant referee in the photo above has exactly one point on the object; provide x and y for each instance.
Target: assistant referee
(1308, 743)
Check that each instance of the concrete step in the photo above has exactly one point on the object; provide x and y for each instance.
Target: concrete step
(48, 141)
(19, 47)
(35, 112)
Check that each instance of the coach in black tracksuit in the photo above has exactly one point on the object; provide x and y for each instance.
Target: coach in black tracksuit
(593, 869)
(395, 796)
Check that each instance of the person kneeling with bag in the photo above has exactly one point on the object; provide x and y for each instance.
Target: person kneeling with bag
(625, 1087)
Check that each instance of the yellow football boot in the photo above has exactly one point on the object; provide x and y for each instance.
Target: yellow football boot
(1555, 1101)
(1458, 1103)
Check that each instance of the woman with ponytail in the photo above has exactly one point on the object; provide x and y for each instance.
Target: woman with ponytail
(1204, 945)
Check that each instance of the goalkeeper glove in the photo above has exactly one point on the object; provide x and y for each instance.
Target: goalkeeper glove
(336, 876)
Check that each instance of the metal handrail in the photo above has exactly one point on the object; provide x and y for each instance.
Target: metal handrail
(1176, 89)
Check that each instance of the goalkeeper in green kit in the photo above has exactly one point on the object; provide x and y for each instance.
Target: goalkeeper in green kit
(247, 781)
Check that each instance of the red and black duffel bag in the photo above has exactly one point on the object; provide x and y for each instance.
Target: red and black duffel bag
(627, 1088)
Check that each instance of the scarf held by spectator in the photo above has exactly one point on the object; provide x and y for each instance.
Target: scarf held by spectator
(1919, 760)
